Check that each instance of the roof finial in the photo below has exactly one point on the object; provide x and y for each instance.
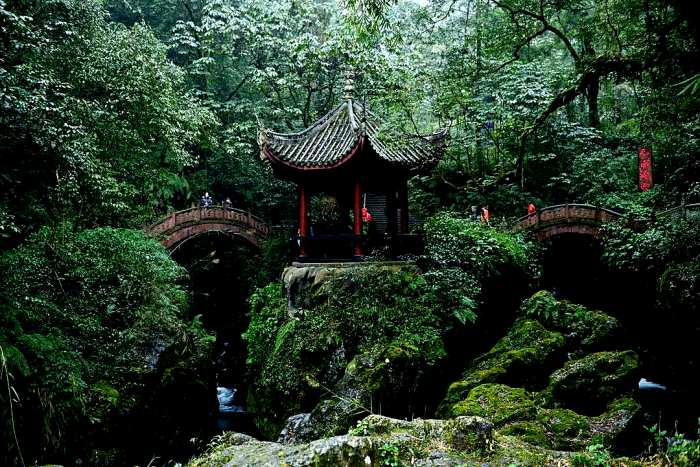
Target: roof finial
(349, 84)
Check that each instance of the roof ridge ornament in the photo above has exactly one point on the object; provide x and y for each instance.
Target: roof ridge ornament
(349, 85)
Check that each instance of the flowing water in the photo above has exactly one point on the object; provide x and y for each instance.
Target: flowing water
(232, 415)
(232, 389)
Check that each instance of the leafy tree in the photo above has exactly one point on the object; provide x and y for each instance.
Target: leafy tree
(96, 112)
(79, 315)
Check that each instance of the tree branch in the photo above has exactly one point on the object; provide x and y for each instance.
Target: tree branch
(546, 26)
(238, 87)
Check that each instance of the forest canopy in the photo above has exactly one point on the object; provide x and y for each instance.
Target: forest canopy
(115, 111)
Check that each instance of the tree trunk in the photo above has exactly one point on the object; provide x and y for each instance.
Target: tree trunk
(592, 89)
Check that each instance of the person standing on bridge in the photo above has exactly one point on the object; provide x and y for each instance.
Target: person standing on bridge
(206, 200)
(531, 209)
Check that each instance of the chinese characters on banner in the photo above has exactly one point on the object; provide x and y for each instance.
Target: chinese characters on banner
(645, 168)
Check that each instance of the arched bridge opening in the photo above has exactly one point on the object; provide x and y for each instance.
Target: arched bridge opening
(182, 226)
(571, 263)
(220, 250)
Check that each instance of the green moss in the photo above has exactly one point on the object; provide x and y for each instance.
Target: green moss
(585, 330)
(522, 357)
(568, 430)
(545, 399)
(529, 432)
(624, 403)
(497, 402)
(592, 381)
(107, 391)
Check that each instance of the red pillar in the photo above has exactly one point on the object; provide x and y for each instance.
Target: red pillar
(403, 205)
(303, 219)
(357, 212)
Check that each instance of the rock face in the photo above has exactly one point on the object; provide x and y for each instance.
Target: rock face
(589, 384)
(588, 397)
(339, 343)
(301, 283)
(383, 381)
(382, 440)
(524, 357)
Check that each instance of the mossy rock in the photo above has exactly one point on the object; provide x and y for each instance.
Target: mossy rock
(568, 430)
(387, 376)
(524, 358)
(384, 380)
(530, 433)
(585, 330)
(498, 403)
(459, 434)
(587, 385)
(565, 430)
(416, 443)
(617, 420)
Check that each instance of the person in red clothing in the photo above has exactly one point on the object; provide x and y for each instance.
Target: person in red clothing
(484, 215)
(531, 209)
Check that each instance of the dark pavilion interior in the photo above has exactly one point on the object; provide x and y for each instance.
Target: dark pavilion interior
(352, 157)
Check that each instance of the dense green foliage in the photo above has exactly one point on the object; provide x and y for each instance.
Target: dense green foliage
(462, 254)
(96, 116)
(113, 112)
(361, 309)
(88, 313)
(661, 246)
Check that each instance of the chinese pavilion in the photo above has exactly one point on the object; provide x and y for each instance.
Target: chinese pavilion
(346, 154)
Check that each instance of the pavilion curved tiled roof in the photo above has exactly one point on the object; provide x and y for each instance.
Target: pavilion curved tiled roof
(335, 138)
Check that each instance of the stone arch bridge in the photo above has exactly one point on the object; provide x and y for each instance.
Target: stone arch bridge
(181, 226)
(587, 219)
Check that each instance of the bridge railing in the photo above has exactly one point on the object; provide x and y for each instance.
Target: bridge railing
(549, 214)
(198, 214)
(565, 211)
(684, 211)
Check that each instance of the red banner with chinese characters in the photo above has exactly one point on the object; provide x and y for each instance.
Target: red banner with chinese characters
(645, 168)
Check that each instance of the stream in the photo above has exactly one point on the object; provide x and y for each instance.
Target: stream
(231, 388)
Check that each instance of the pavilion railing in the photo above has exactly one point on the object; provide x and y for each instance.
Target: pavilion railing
(341, 248)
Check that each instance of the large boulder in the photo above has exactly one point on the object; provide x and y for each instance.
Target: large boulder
(523, 358)
(331, 343)
(514, 412)
(585, 330)
(587, 385)
(384, 381)
(380, 441)
(517, 385)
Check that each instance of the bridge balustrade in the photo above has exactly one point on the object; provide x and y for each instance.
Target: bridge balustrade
(545, 222)
(182, 225)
